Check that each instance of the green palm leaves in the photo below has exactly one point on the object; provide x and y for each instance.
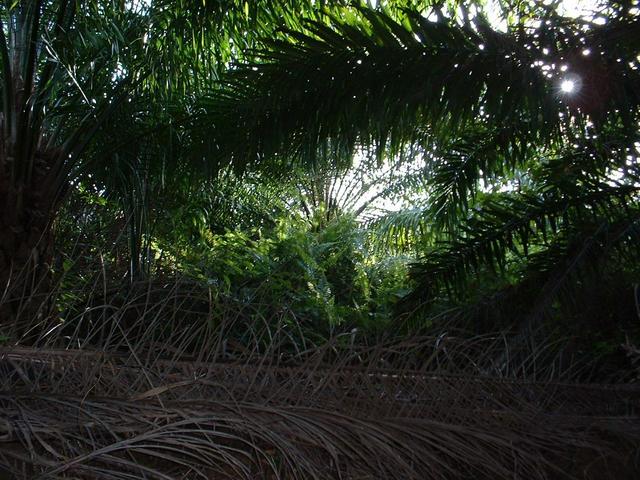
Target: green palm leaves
(516, 166)
(370, 79)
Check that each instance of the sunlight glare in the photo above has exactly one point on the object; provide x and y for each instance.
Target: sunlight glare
(577, 8)
(568, 86)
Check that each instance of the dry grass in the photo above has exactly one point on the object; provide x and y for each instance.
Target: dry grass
(56, 436)
(168, 382)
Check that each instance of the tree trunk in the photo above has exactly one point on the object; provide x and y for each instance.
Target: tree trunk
(26, 248)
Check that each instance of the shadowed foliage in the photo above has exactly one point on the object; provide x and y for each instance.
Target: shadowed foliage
(194, 281)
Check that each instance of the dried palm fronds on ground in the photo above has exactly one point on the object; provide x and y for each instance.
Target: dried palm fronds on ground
(168, 383)
(79, 414)
(110, 438)
(178, 318)
(364, 390)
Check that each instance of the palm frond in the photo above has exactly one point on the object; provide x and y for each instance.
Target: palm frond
(403, 230)
(509, 224)
(374, 80)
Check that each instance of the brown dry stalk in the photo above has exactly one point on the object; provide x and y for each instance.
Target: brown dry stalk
(165, 384)
(79, 414)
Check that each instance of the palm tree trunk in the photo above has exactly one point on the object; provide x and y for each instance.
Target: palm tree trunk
(26, 247)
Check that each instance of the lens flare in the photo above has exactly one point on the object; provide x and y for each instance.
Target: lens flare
(568, 86)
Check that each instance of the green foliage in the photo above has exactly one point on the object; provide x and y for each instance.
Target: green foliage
(319, 274)
(388, 285)
(244, 144)
(370, 79)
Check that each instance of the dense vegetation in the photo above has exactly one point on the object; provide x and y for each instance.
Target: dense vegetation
(241, 181)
